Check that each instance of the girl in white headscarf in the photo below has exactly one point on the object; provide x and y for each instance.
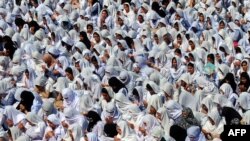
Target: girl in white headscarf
(86, 104)
(54, 130)
(155, 102)
(36, 126)
(177, 69)
(29, 78)
(194, 133)
(107, 95)
(193, 45)
(74, 124)
(61, 65)
(214, 126)
(10, 113)
(122, 102)
(227, 91)
(244, 67)
(243, 103)
(163, 119)
(125, 133)
(70, 99)
(125, 60)
(105, 19)
(93, 85)
(174, 110)
(152, 89)
(181, 42)
(146, 126)
(111, 113)
(129, 13)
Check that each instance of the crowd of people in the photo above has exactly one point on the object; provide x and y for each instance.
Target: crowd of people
(123, 70)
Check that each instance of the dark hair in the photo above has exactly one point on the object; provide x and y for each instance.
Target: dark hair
(178, 51)
(136, 93)
(110, 130)
(93, 59)
(90, 25)
(69, 70)
(27, 98)
(191, 64)
(129, 41)
(104, 90)
(26, 71)
(34, 24)
(19, 22)
(178, 133)
(244, 84)
(10, 46)
(229, 78)
(237, 50)
(85, 40)
(156, 7)
(93, 118)
(211, 56)
(149, 87)
(115, 84)
(245, 75)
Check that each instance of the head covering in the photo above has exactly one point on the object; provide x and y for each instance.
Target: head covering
(69, 98)
(244, 101)
(41, 81)
(54, 119)
(168, 89)
(15, 115)
(194, 134)
(122, 102)
(174, 109)
(164, 119)
(127, 133)
(155, 101)
(33, 118)
(85, 104)
(226, 89)
(232, 117)
(215, 116)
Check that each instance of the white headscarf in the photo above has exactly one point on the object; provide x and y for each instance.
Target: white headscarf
(127, 133)
(70, 98)
(164, 119)
(227, 91)
(217, 128)
(155, 101)
(194, 133)
(244, 101)
(148, 122)
(176, 73)
(122, 102)
(85, 104)
(174, 109)
(12, 113)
